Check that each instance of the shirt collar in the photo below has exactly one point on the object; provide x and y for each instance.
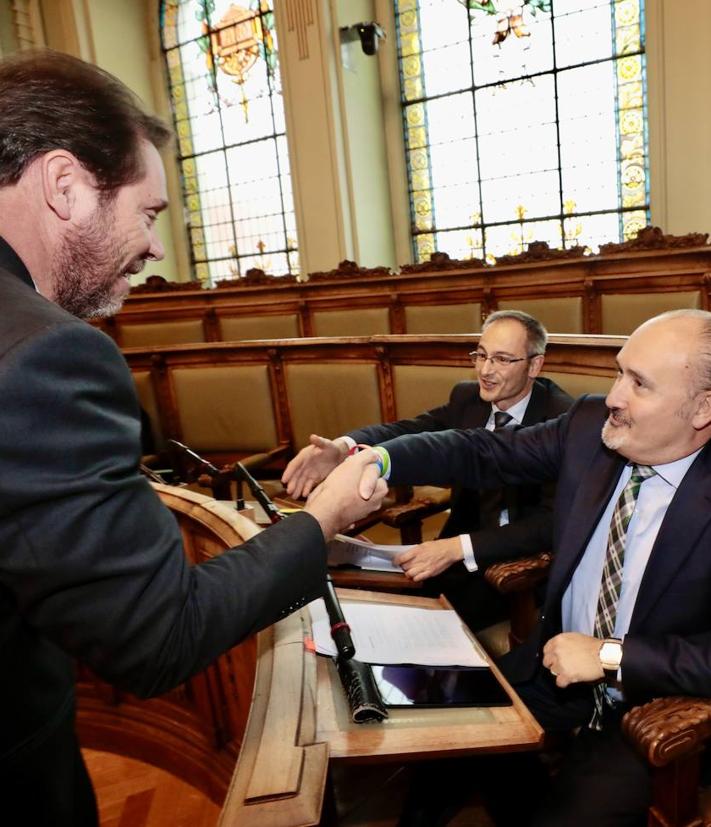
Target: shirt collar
(10, 261)
(673, 472)
(517, 411)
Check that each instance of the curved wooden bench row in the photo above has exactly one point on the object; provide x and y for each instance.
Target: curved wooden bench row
(608, 293)
(227, 400)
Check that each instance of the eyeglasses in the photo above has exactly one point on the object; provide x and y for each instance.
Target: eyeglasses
(500, 360)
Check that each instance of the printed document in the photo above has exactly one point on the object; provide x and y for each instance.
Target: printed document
(389, 634)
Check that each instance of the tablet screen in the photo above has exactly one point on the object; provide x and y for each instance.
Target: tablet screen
(438, 686)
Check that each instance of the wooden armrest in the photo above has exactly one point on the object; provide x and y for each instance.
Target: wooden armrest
(414, 511)
(519, 575)
(265, 457)
(667, 729)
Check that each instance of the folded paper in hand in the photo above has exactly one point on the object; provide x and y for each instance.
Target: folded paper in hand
(348, 551)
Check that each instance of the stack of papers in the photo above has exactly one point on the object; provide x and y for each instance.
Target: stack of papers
(347, 551)
(390, 634)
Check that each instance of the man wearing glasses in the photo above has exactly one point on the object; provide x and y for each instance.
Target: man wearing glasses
(484, 527)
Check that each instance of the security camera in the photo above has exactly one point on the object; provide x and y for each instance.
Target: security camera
(370, 35)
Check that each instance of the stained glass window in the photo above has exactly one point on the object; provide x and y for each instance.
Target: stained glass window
(523, 121)
(225, 88)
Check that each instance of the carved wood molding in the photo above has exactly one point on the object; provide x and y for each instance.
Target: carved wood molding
(540, 251)
(653, 238)
(349, 270)
(158, 284)
(518, 575)
(441, 261)
(667, 729)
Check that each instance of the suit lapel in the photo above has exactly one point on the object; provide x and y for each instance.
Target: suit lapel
(591, 498)
(689, 508)
(535, 410)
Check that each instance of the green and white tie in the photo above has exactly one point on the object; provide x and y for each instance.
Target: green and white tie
(611, 582)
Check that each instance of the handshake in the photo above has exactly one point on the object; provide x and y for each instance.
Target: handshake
(341, 489)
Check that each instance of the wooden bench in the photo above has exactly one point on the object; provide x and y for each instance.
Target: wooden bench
(608, 293)
(229, 400)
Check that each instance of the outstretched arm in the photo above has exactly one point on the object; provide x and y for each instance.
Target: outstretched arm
(313, 464)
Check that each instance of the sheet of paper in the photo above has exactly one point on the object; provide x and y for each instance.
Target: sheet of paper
(390, 634)
(344, 550)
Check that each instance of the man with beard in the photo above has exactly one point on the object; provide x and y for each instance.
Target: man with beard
(626, 614)
(484, 527)
(92, 564)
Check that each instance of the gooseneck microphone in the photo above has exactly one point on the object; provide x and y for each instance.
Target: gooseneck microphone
(340, 630)
(259, 494)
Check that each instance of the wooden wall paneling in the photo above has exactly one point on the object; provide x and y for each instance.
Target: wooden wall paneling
(657, 264)
(385, 384)
(306, 321)
(166, 399)
(279, 396)
(211, 325)
(592, 311)
(705, 292)
(397, 314)
(568, 356)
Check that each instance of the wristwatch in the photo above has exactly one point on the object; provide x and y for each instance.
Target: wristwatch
(610, 657)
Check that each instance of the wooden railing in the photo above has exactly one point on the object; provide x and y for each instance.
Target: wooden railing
(570, 292)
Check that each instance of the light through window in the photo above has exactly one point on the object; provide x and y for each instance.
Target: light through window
(523, 122)
(225, 88)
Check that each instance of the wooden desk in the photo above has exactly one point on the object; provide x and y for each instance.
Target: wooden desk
(410, 734)
(300, 718)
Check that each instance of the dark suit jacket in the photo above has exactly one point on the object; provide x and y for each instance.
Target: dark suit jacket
(91, 563)
(668, 648)
(530, 527)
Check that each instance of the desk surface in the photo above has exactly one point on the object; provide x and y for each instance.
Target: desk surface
(299, 720)
(418, 733)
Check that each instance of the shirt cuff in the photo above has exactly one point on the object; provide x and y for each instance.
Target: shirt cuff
(468, 550)
(350, 442)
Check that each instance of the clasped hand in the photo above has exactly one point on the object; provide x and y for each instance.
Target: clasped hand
(573, 657)
(349, 493)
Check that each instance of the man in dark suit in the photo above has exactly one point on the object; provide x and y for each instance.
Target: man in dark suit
(484, 527)
(626, 615)
(91, 563)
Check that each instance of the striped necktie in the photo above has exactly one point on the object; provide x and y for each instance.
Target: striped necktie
(612, 571)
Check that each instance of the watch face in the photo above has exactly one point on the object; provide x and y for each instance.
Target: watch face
(611, 654)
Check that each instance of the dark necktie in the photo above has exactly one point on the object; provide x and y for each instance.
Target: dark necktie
(501, 419)
(611, 582)
(491, 500)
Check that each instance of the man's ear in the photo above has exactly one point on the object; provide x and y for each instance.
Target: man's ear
(62, 175)
(702, 414)
(535, 364)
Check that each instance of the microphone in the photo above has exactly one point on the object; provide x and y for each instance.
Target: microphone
(208, 466)
(259, 494)
(340, 630)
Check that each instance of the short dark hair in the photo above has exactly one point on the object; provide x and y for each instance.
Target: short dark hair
(50, 100)
(536, 334)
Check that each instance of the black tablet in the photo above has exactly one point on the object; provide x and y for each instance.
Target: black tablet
(402, 686)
